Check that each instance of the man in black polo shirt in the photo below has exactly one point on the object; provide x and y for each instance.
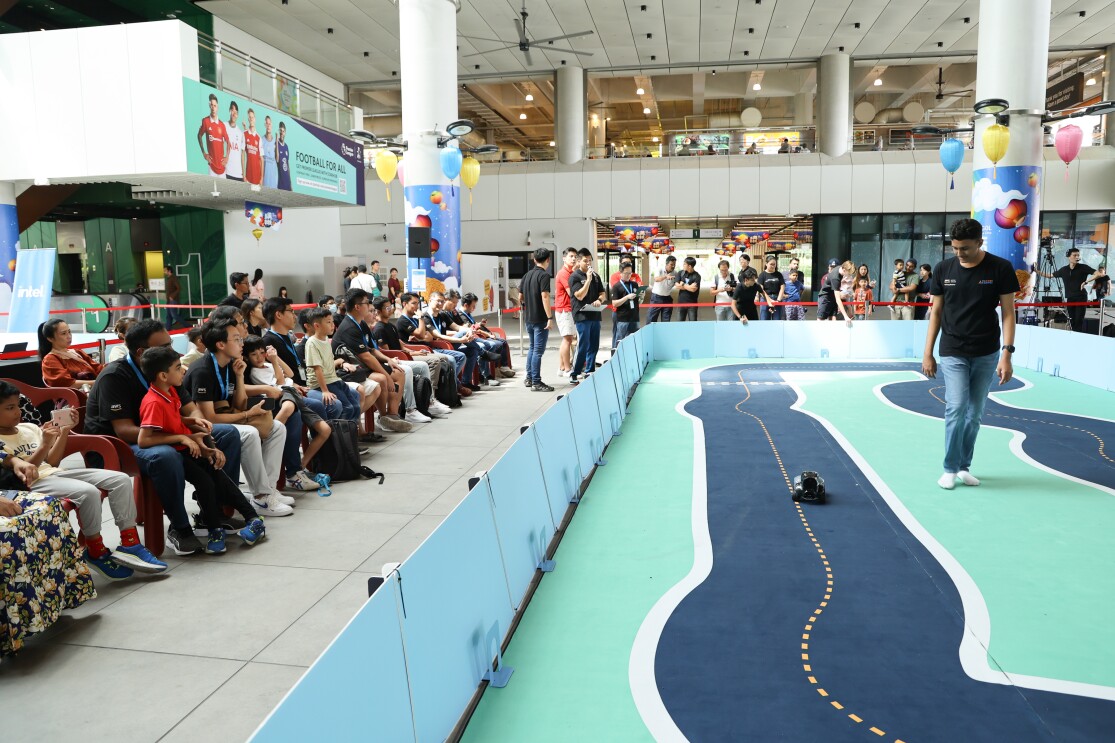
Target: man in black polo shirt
(689, 288)
(240, 290)
(113, 410)
(586, 290)
(967, 290)
(625, 303)
(534, 293)
(1074, 276)
(279, 315)
(439, 325)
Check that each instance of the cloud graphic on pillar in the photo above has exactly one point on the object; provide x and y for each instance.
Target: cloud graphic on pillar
(413, 212)
(439, 267)
(987, 196)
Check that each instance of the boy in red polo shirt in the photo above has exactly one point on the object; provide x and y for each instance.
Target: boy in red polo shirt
(160, 421)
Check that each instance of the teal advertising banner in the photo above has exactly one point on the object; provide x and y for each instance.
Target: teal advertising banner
(34, 277)
(231, 137)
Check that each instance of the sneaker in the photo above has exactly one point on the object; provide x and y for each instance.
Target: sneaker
(440, 407)
(398, 425)
(363, 451)
(108, 567)
(183, 542)
(564, 372)
(286, 500)
(254, 532)
(542, 387)
(528, 382)
(229, 523)
(371, 438)
(437, 413)
(216, 543)
(139, 558)
(270, 506)
(413, 416)
(573, 380)
(507, 371)
(302, 483)
(493, 382)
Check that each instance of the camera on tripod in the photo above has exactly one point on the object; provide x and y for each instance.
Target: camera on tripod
(1047, 243)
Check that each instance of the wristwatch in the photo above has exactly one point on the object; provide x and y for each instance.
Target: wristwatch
(1008, 349)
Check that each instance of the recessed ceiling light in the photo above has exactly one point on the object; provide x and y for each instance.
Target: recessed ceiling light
(1090, 81)
(647, 110)
(878, 81)
(530, 96)
(756, 86)
(551, 143)
(639, 91)
(522, 117)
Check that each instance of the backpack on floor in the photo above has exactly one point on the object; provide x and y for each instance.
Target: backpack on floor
(423, 393)
(446, 391)
(340, 457)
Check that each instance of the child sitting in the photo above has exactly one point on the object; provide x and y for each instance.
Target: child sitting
(321, 364)
(120, 350)
(160, 421)
(861, 299)
(197, 348)
(265, 368)
(44, 448)
(794, 288)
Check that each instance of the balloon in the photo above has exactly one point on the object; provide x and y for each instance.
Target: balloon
(400, 169)
(1068, 140)
(996, 139)
(434, 245)
(1012, 215)
(451, 162)
(386, 166)
(952, 155)
(470, 174)
(422, 221)
(1022, 235)
(258, 233)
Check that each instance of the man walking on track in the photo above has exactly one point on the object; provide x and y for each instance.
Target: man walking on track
(966, 291)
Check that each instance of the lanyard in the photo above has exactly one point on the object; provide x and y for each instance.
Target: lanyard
(368, 339)
(223, 382)
(470, 320)
(412, 321)
(433, 319)
(142, 379)
(626, 288)
(286, 340)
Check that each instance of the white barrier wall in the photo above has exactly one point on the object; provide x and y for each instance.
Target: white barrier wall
(95, 102)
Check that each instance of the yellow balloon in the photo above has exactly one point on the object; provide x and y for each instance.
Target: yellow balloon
(258, 233)
(996, 139)
(470, 174)
(386, 165)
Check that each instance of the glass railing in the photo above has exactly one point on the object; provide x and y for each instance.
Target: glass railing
(228, 68)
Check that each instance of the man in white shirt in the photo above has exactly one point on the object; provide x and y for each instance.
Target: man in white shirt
(661, 293)
(234, 169)
(362, 280)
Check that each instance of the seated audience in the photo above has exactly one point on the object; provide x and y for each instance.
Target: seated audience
(488, 340)
(64, 366)
(162, 424)
(195, 348)
(252, 313)
(120, 350)
(438, 326)
(411, 327)
(384, 334)
(280, 319)
(321, 364)
(457, 323)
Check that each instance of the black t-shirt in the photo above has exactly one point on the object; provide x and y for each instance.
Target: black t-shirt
(356, 337)
(771, 283)
(629, 310)
(577, 280)
(231, 301)
(285, 347)
(1073, 278)
(204, 384)
(387, 335)
(744, 297)
(685, 297)
(830, 285)
(116, 395)
(531, 287)
(406, 327)
(969, 325)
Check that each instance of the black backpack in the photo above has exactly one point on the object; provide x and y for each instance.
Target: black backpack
(423, 393)
(340, 457)
(446, 391)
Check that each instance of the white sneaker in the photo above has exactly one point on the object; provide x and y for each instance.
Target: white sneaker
(965, 477)
(493, 382)
(440, 408)
(285, 499)
(947, 481)
(564, 372)
(270, 506)
(435, 413)
(398, 425)
(413, 416)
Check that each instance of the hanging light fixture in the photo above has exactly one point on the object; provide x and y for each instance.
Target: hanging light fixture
(878, 82)
(654, 139)
(756, 86)
(551, 143)
(522, 117)
(1090, 81)
(646, 111)
(530, 97)
(639, 91)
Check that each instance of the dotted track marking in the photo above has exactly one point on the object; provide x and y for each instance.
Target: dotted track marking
(811, 622)
(1102, 446)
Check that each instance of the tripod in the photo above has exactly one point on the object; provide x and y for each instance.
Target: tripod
(1047, 288)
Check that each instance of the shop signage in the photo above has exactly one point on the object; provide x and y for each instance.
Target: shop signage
(1069, 92)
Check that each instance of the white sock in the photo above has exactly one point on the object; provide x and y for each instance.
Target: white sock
(947, 481)
(966, 477)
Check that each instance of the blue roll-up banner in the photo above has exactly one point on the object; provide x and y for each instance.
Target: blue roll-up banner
(34, 278)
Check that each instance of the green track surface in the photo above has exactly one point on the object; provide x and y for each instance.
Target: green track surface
(1059, 395)
(628, 543)
(1037, 546)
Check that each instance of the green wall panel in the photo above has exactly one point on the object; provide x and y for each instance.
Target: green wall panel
(108, 249)
(194, 246)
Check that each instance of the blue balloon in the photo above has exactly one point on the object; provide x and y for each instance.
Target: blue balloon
(451, 162)
(952, 154)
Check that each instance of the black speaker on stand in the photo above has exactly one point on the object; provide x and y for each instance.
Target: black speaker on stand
(418, 252)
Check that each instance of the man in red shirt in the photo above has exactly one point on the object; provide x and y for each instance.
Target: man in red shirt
(213, 138)
(253, 158)
(563, 312)
(618, 275)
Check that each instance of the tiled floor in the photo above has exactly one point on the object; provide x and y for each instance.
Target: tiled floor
(207, 650)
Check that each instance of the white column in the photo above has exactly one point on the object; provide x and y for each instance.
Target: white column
(569, 114)
(428, 66)
(1109, 92)
(803, 109)
(1011, 64)
(834, 104)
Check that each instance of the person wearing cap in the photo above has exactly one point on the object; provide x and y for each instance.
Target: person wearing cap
(689, 288)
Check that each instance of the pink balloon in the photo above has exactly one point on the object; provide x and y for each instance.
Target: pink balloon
(1068, 141)
(399, 173)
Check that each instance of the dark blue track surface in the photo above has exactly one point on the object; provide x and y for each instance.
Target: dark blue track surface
(729, 664)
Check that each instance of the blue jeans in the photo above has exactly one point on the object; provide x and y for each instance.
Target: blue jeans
(173, 315)
(588, 343)
(621, 330)
(350, 401)
(766, 312)
(472, 351)
(538, 334)
(332, 410)
(967, 382)
(292, 461)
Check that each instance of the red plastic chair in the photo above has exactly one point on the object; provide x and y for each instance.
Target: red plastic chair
(42, 395)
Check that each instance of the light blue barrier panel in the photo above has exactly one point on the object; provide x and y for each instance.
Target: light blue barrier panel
(180, 343)
(1024, 346)
(887, 339)
(644, 346)
(607, 398)
(357, 688)
(631, 362)
(619, 358)
(522, 511)
(585, 416)
(813, 339)
(557, 445)
(1084, 358)
(754, 340)
(683, 340)
(456, 609)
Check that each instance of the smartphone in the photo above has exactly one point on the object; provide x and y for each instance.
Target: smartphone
(63, 417)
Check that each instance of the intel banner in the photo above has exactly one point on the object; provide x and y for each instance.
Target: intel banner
(236, 139)
(34, 277)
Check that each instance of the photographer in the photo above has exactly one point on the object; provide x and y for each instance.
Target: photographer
(1074, 276)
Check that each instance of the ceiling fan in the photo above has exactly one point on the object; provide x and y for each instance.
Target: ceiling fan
(941, 92)
(525, 43)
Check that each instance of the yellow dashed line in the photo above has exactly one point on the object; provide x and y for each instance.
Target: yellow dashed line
(812, 680)
(838, 705)
(878, 732)
(822, 692)
(855, 718)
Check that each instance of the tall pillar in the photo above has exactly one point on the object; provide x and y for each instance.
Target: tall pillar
(834, 104)
(1109, 93)
(803, 117)
(1013, 52)
(428, 67)
(569, 114)
(9, 244)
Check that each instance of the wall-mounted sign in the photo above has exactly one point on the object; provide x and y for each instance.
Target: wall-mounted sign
(1068, 92)
(685, 234)
(711, 233)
